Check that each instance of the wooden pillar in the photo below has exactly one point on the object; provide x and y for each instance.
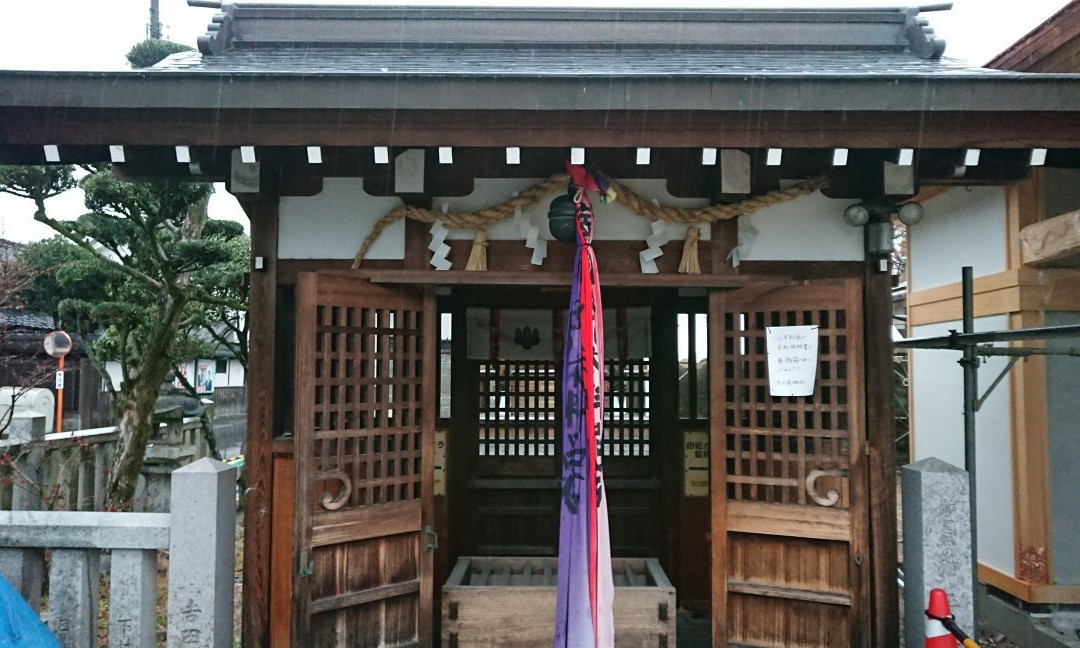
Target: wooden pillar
(881, 444)
(664, 385)
(1025, 204)
(459, 444)
(1030, 459)
(717, 477)
(263, 212)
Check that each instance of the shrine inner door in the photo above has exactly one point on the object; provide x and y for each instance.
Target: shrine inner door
(514, 445)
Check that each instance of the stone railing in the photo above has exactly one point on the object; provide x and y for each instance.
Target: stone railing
(199, 534)
(66, 471)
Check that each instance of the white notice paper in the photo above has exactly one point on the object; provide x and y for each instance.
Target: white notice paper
(793, 354)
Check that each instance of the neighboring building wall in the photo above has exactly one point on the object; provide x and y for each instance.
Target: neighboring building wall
(1062, 191)
(1063, 412)
(232, 377)
(938, 431)
(235, 375)
(964, 226)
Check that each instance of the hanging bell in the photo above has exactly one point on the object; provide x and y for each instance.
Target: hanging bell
(561, 215)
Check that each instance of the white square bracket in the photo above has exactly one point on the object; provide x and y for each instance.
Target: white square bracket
(1038, 157)
(116, 154)
(513, 155)
(183, 155)
(314, 155)
(52, 153)
(577, 155)
(708, 156)
(906, 157)
(446, 155)
(644, 156)
(381, 154)
(839, 157)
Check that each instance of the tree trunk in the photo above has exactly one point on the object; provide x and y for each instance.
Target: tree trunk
(136, 425)
(136, 409)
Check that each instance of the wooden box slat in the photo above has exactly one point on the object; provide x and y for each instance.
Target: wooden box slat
(509, 602)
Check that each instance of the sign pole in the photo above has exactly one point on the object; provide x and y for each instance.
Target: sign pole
(60, 396)
(58, 344)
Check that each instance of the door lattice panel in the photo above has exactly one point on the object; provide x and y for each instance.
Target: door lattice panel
(514, 491)
(788, 450)
(518, 414)
(367, 402)
(626, 409)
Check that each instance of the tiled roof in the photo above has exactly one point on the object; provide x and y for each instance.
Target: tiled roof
(559, 42)
(20, 319)
(448, 61)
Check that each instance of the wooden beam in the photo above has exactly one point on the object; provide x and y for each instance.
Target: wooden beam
(1029, 592)
(1024, 205)
(556, 278)
(656, 129)
(1030, 459)
(255, 617)
(1012, 291)
(881, 442)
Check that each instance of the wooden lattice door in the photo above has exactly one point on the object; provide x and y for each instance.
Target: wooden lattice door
(364, 447)
(788, 474)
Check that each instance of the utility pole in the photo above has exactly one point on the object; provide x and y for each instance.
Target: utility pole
(155, 20)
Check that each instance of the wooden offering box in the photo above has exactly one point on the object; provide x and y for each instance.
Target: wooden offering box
(510, 603)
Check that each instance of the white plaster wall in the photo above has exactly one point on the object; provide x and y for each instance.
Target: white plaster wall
(938, 412)
(963, 226)
(334, 223)
(808, 228)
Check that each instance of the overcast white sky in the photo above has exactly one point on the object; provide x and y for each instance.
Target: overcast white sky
(95, 35)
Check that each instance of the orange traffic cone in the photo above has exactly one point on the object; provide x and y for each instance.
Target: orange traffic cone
(937, 635)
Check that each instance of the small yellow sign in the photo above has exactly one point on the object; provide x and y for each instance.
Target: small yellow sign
(696, 463)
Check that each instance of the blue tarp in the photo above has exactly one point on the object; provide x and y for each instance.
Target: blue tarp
(20, 626)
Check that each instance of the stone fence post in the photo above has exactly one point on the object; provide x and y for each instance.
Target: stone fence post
(202, 544)
(937, 543)
(25, 568)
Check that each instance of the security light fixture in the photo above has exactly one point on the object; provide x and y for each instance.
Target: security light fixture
(910, 213)
(877, 219)
(857, 215)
